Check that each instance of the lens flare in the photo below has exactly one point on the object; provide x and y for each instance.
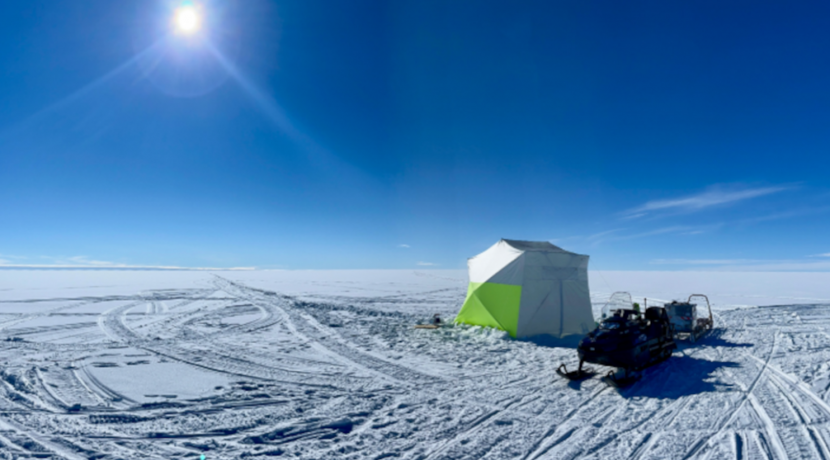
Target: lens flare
(187, 19)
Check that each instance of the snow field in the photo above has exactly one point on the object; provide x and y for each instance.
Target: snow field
(319, 365)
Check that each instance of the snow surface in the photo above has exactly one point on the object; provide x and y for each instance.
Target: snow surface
(327, 364)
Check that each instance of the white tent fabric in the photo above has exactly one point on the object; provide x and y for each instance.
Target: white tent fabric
(555, 298)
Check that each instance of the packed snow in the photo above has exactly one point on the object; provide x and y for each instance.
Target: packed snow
(327, 364)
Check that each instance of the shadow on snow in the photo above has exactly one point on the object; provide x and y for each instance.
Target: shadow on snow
(550, 341)
(712, 339)
(684, 375)
(679, 376)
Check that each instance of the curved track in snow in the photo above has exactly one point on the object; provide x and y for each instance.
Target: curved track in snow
(228, 369)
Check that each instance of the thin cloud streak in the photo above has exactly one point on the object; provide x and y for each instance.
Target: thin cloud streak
(702, 261)
(786, 215)
(659, 231)
(598, 236)
(596, 239)
(83, 260)
(781, 266)
(117, 267)
(85, 263)
(709, 198)
(747, 265)
(634, 216)
(712, 197)
(678, 229)
(590, 238)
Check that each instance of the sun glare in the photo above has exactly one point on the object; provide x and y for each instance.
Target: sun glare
(187, 19)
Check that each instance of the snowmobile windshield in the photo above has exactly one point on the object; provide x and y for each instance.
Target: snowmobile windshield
(609, 325)
(617, 301)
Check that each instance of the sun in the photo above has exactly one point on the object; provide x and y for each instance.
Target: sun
(187, 19)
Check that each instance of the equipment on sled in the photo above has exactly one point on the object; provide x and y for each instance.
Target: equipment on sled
(625, 339)
(684, 320)
(435, 324)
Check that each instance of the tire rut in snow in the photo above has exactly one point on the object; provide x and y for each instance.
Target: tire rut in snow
(723, 422)
(214, 358)
(308, 328)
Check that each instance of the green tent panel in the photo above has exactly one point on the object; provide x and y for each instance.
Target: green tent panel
(492, 305)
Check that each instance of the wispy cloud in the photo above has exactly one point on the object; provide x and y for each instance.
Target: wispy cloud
(119, 267)
(633, 216)
(714, 196)
(826, 254)
(702, 261)
(84, 260)
(426, 264)
(405, 246)
(676, 229)
(748, 265)
(656, 231)
(85, 263)
(599, 236)
(803, 211)
(618, 234)
(781, 265)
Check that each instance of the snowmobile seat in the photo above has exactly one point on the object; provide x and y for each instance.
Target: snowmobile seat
(657, 314)
(658, 321)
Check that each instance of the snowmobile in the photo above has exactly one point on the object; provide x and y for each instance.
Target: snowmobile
(684, 320)
(625, 340)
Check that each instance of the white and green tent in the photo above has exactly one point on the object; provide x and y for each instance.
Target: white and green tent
(529, 288)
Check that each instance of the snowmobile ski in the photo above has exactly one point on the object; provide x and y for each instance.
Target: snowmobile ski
(579, 374)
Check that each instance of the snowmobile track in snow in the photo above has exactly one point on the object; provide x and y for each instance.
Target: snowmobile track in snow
(339, 376)
(308, 329)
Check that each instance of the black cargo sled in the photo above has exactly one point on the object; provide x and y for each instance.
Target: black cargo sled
(627, 340)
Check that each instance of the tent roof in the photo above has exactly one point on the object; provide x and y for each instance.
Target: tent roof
(533, 245)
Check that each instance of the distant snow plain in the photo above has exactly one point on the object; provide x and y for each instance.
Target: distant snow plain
(327, 364)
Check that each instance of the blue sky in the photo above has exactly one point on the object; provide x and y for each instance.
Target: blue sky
(303, 134)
